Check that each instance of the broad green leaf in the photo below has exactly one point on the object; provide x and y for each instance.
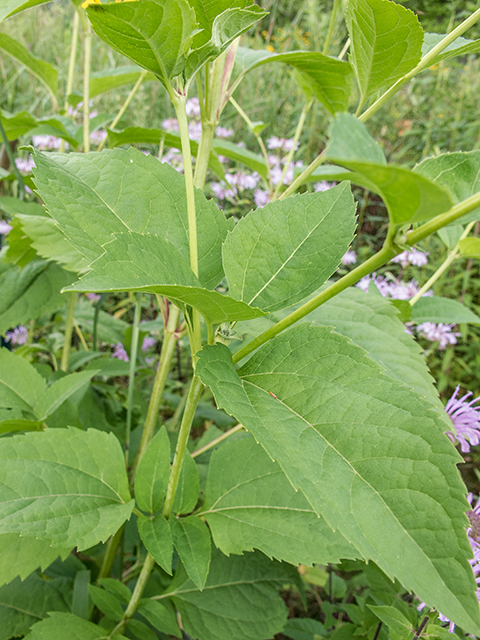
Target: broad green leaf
(186, 496)
(153, 33)
(30, 293)
(106, 80)
(239, 600)
(117, 588)
(250, 504)
(11, 7)
(161, 616)
(221, 22)
(59, 391)
(109, 367)
(20, 555)
(19, 248)
(60, 626)
(191, 538)
(386, 43)
(152, 475)
(157, 538)
(19, 124)
(12, 206)
(459, 47)
(304, 629)
(22, 604)
(330, 80)
(408, 196)
(278, 255)
(135, 135)
(458, 173)
(134, 262)
(469, 247)
(140, 630)
(44, 71)
(83, 496)
(437, 309)
(398, 625)
(345, 435)
(106, 602)
(449, 235)
(21, 386)
(94, 195)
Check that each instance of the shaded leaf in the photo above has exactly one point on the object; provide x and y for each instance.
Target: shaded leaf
(66, 625)
(187, 492)
(437, 309)
(278, 255)
(191, 538)
(59, 391)
(117, 588)
(344, 434)
(161, 616)
(152, 475)
(157, 538)
(108, 79)
(83, 497)
(398, 625)
(21, 386)
(19, 124)
(44, 71)
(12, 206)
(106, 602)
(469, 247)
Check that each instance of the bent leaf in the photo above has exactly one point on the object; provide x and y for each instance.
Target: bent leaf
(386, 43)
(94, 195)
(60, 391)
(44, 71)
(250, 504)
(83, 496)
(459, 47)
(344, 434)
(278, 255)
(436, 309)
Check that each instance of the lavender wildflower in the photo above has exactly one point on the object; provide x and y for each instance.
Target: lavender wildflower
(192, 107)
(5, 228)
(441, 333)
(195, 130)
(284, 144)
(466, 423)
(148, 343)
(261, 197)
(413, 256)
(18, 336)
(119, 352)
(379, 281)
(403, 290)
(98, 136)
(93, 297)
(170, 124)
(25, 165)
(324, 185)
(349, 258)
(45, 142)
(223, 132)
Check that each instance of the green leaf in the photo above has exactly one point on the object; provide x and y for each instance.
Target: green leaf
(30, 293)
(109, 328)
(449, 235)
(386, 43)
(117, 588)
(11, 7)
(66, 625)
(134, 135)
(398, 625)
(347, 435)
(408, 196)
(239, 600)
(21, 386)
(44, 71)
(152, 475)
(20, 424)
(157, 538)
(186, 496)
(19, 249)
(250, 504)
(191, 538)
(436, 309)
(20, 555)
(81, 605)
(106, 80)
(92, 196)
(154, 34)
(153, 265)
(278, 255)
(19, 124)
(458, 173)
(59, 391)
(304, 629)
(106, 602)
(459, 47)
(469, 247)
(330, 80)
(161, 616)
(140, 630)
(12, 206)
(25, 603)
(83, 496)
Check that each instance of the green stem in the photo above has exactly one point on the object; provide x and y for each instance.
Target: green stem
(345, 49)
(109, 557)
(194, 394)
(443, 267)
(87, 63)
(203, 155)
(96, 315)
(68, 330)
(124, 106)
(296, 137)
(131, 375)
(331, 26)
(379, 259)
(139, 587)
(172, 423)
(11, 159)
(213, 443)
(168, 348)
(304, 175)
(71, 67)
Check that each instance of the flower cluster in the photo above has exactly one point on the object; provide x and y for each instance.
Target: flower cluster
(466, 421)
(412, 256)
(441, 333)
(5, 228)
(395, 289)
(18, 336)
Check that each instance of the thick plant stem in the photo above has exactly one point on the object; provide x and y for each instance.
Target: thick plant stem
(131, 375)
(139, 587)
(168, 348)
(68, 330)
(87, 63)
(11, 159)
(194, 394)
(331, 26)
(379, 259)
(443, 267)
(213, 443)
(124, 106)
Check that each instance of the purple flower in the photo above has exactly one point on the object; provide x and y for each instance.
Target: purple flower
(379, 281)
(93, 297)
(441, 333)
(285, 144)
(195, 130)
(170, 124)
(18, 336)
(148, 343)
(5, 228)
(25, 165)
(403, 290)
(223, 132)
(413, 256)
(261, 197)
(349, 258)
(192, 107)
(119, 352)
(98, 136)
(45, 142)
(324, 185)
(466, 421)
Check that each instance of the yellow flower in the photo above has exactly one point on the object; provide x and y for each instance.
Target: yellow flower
(270, 48)
(87, 2)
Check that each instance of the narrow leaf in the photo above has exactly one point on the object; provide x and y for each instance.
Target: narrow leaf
(278, 255)
(83, 497)
(343, 433)
(436, 309)
(186, 496)
(157, 538)
(44, 71)
(59, 391)
(191, 538)
(152, 475)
